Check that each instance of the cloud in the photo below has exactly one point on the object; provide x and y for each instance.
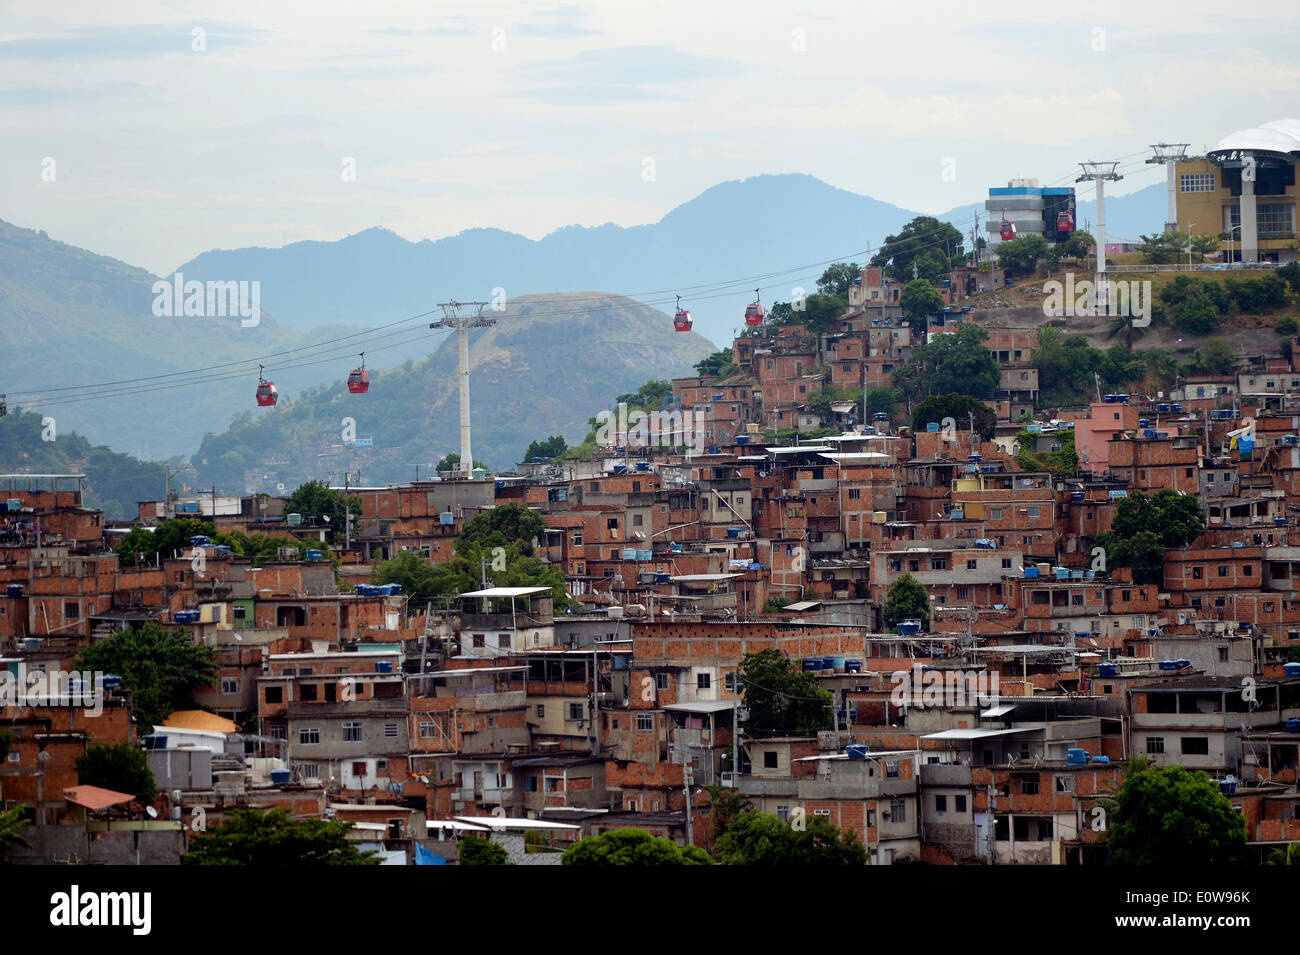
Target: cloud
(557, 22)
(621, 73)
(127, 42)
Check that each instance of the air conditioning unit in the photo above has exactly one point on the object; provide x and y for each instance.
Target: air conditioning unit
(31, 643)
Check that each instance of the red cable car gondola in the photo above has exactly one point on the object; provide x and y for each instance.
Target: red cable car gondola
(682, 320)
(358, 380)
(266, 393)
(1007, 230)
(754, 312)
(1064, 223)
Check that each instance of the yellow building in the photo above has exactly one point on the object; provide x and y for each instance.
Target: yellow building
(1244, 190)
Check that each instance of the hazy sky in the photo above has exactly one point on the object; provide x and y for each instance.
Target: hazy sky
(177, 127)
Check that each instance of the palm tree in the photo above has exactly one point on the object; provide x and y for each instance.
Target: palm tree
(10, 821)
(1290, 855)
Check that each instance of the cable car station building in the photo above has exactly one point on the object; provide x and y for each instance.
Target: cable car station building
(1244, 190)
(1026, 208)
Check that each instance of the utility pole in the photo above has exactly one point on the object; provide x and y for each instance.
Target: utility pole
(462, 323)
(1169, 155)
(688, 777)
(1099, 172)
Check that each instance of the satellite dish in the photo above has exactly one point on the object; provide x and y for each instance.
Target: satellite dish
(153, 813)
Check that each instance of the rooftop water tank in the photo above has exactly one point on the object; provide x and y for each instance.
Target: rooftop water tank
(280, 777)
(856, 750)
(1291, 670)
(1076, 756)
(1107, 669)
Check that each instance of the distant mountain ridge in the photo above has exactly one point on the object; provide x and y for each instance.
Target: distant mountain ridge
(755, 226)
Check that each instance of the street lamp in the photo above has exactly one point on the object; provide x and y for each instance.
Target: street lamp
(1231, 229)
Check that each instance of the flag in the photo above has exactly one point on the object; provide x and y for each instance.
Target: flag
(424, 857)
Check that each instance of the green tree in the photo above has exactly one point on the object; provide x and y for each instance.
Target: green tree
(1286, 325)
(1163, 247)
(919, 300)
(11, 820)
(451, 462)
(717, 366)
(1174, 816)
(907, 599)
(1142, 553)
(547, 450)
(925, 236)
(1020, 256)
(504, 524)
(1204, 244)
(1176, 519)
(1214, 357)
(252, 837)
(475, 850)
(954, 362)
(758, 838)
(1078, 245)
(631, 847)
(161, 668)
(959, 408)
(838, 279)
(725, 804)
(782, 700)
(120, 767)
(1290, 273)
(318, 501)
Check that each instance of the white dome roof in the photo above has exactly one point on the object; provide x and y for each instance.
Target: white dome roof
(1280, 136)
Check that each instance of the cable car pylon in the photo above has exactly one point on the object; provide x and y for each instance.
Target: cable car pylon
(452, 317)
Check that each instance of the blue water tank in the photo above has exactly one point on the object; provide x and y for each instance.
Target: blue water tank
(394, 589)
(620, 469)
(1076, 756)
(1101, 759)
(856, 750)
(198, 540)
(1163, 408)
(1031, 573)
(1228, 787)
(1107, 669)
(155, 741)
(1291, 670)
(1167, 665)
(280, 777)
(828, 663)
(14, 504)
(837, 663)
(314, 555)
(852, 666)
(733, 531)
(742, 439)
(14, 590)
(909, 628)
(1293, 725)
(629, 553)
(383, 666)
(1176, 407)
(1077, 495)
(932, 427)
(812, 664)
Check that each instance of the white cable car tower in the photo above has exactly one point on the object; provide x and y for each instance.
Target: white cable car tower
(462, 323)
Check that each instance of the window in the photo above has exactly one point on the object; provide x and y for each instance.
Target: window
(995, 513)
(576, 539)
(961, 593)
(1033, 512)
(240, 612)
(1064, 784)
(636, 520)
(729, 681)
(703, 681)
(940, 804)
(897, 811)
(1006, 563)
(575, 711)
(1195, 745)
(308, 735)
(891, 769)
(1223, 570)
(661, 681)
(770, 759)
(480, 640)
(503, 641)
(310, 770)
(1223, 654)
(230, 684)
(428, 729)
(390, 730)
(307, 692)
(938, 563)
(360, 769)
(1196, 182)
(541, 711)
(351, 731)
(645, 721)
(1029, 785)
(972, 564)
(71, 610)
(959, 804)
(1155, 744)
(855, 493)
